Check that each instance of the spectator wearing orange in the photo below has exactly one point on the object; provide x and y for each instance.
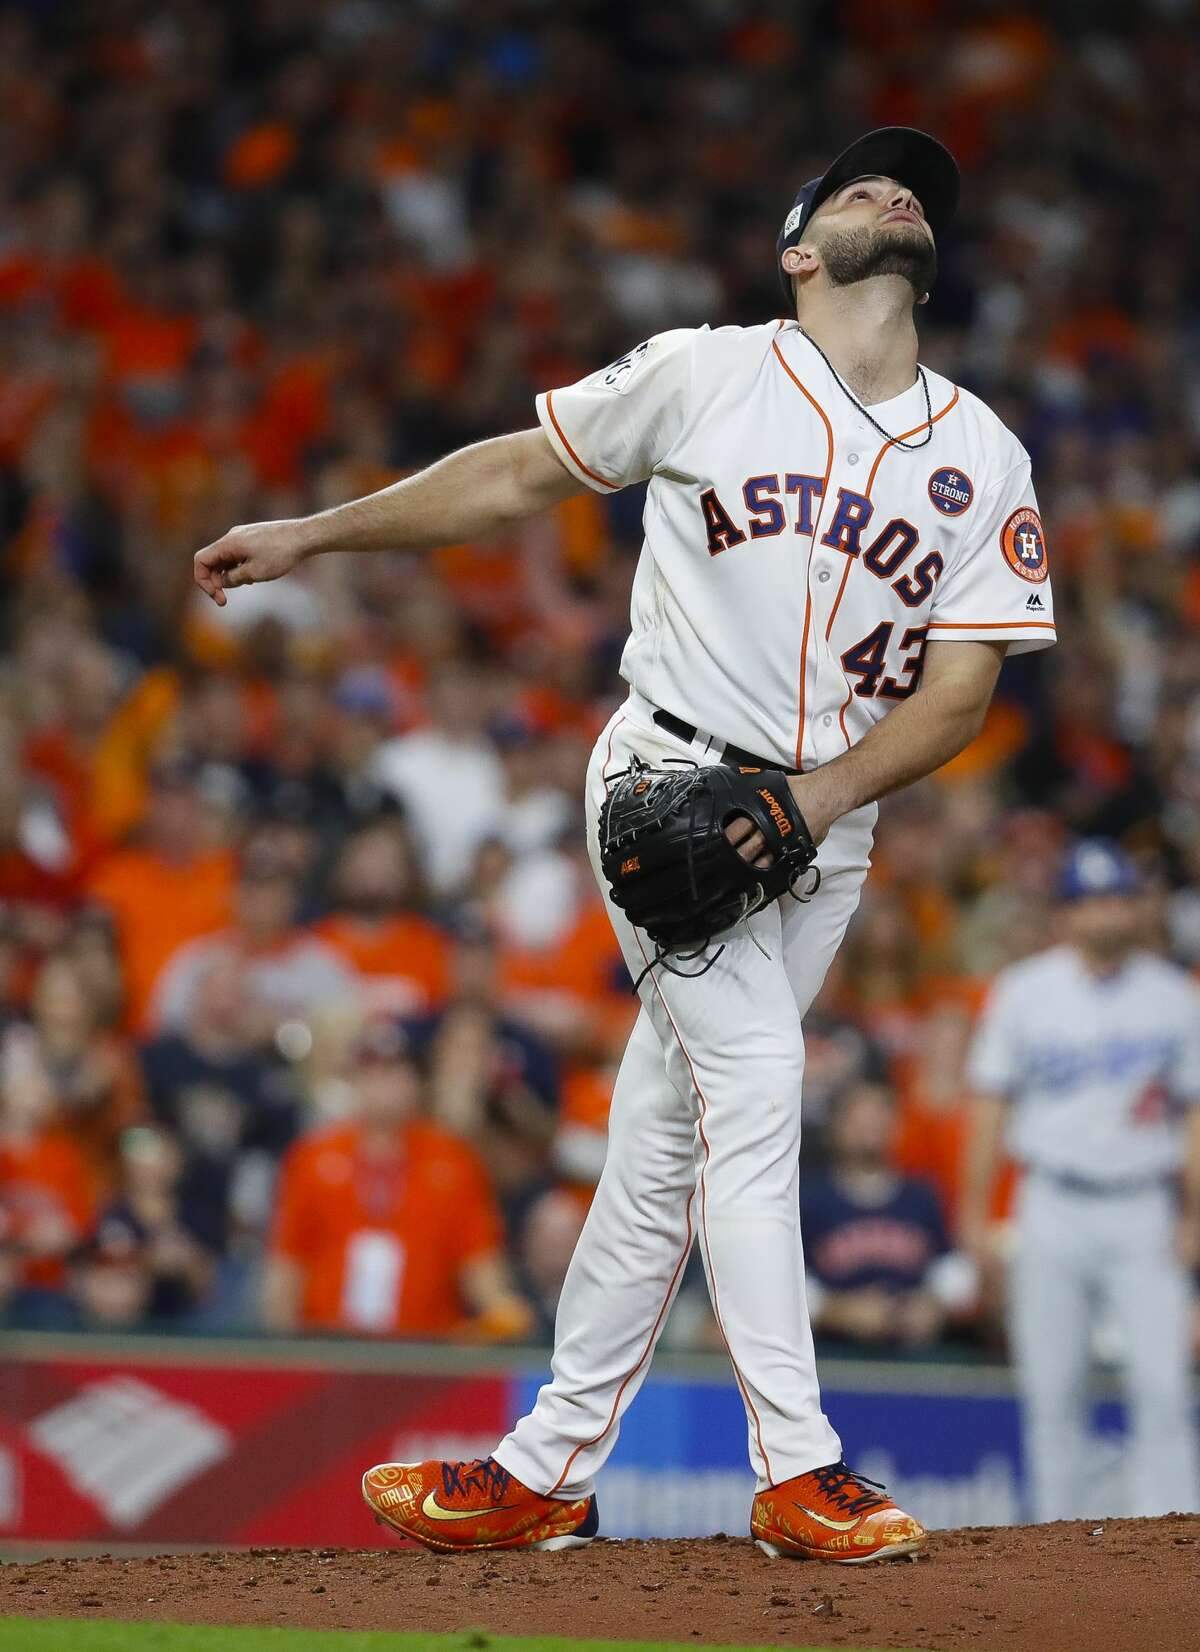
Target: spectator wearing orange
(388, 1225)
(46, 1204)
(581, 1131)
(167, 889)
(286, 973)
(377, 926)
(560, 971)
(91, 1070)
(882, 974)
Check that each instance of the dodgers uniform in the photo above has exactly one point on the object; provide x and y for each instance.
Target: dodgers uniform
(795, 564)
(1099, 1071)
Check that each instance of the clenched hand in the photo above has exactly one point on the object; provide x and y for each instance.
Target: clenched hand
(251, 554)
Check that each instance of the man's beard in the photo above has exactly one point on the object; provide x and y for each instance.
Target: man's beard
(853, 255)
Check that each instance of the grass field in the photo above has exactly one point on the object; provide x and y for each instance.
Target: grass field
(70, 1635)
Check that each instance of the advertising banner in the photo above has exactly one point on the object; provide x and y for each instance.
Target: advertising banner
(150, 1444)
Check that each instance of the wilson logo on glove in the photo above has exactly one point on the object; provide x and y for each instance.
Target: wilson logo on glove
(778, 813)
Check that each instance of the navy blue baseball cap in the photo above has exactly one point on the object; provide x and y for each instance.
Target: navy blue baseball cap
(1096, 866)
(913, 158)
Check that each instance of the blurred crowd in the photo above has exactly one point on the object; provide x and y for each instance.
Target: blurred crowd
(309, 1008)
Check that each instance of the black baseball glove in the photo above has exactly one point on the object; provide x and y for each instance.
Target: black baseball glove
(670, 867)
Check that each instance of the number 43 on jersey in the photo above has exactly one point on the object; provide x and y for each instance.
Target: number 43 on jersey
(867, 661)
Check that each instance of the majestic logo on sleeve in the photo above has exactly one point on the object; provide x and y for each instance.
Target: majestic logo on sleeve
(951, 491)
(1023, 541)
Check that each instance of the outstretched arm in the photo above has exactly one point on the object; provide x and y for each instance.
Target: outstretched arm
(479, 491)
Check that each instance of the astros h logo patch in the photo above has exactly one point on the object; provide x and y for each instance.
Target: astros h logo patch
(1023, 541)
(950, 491)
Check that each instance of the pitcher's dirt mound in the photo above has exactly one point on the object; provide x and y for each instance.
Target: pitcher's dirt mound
(1126, 1586)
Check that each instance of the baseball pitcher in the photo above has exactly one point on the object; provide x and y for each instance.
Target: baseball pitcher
(840, 548)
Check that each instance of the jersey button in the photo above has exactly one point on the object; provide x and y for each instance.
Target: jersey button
(852, 458)
(823, 576)
(827, 719)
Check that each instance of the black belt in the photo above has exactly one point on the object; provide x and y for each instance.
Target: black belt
(729, 754)
(1099, 1187)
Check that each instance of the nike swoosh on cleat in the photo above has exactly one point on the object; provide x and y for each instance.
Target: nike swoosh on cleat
(433, 1510)
(822, 1520)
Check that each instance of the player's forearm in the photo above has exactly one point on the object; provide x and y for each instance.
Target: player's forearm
(912, 741)
(479, 491)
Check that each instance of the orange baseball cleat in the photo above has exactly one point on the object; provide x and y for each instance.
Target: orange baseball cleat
(833, 1514)
(476, 1505)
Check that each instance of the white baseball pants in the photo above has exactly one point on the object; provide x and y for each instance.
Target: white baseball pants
(703, 1148)
(1075, 1252)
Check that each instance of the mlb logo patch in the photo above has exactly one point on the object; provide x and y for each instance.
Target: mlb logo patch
(1023, 541)
(950, 491)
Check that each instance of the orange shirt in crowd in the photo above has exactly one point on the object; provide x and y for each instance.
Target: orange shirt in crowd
(381, 1245)
(405, 960)
(147, 343)
(157, 907)
(581, 1135)
(934, 1120)
(45, 1198)
(585, 966)
(118, 782)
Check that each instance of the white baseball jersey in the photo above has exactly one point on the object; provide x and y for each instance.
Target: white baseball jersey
(796, 561)
(1099, 1069)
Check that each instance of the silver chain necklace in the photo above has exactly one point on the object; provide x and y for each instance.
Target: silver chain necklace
(909, 447)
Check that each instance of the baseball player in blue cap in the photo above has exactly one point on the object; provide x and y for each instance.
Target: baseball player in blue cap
(1088, 1057)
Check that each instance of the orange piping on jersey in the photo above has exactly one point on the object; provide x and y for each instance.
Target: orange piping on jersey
(816, 526)
(891, 442)
(953, 402)
(870, 484)
(837, 601)
(990, 625)
(603, 481)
